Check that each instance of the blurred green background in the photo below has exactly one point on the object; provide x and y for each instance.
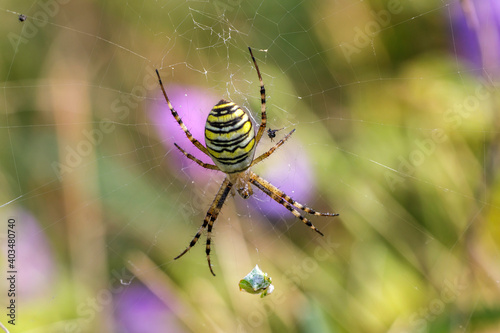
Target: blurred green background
(396, 110)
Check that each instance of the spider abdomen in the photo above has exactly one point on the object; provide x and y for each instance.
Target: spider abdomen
(230, 137)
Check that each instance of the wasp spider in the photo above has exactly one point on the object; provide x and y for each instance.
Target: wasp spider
(230, 141)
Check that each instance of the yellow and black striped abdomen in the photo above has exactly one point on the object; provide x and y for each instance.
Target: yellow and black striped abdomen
(230, 137)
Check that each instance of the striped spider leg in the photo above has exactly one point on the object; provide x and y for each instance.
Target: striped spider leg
(230, 141)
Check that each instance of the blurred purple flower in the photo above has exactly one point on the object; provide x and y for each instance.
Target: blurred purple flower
(476, 32)
(284, 169)
(138, 310)
(193, 105)
(34, 258)
(291, 173)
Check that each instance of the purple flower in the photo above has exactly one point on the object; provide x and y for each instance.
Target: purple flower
(138, 310)
(193, 105)
(288, 171)
(476, 31)
(34, 258)
(284, 169)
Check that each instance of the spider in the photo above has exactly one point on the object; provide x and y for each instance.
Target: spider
(230, 141)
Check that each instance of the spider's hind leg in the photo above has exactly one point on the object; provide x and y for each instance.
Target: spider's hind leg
(263, 122)
(179, 120)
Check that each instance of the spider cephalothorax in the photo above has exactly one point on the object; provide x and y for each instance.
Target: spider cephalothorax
(230, 141)
(241, 183)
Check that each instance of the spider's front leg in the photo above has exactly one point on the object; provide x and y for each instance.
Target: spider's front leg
(284, 200)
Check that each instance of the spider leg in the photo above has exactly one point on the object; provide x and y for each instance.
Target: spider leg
(212, 214)
(270, 151)
(283, 202)
(191, 157)
(281, 198)
(262, 126)
(288, 199)
(179, 120)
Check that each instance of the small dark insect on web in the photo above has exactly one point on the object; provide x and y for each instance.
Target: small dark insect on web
(22, 17)
(272, 133)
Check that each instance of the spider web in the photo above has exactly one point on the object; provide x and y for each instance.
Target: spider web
(396, 130)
